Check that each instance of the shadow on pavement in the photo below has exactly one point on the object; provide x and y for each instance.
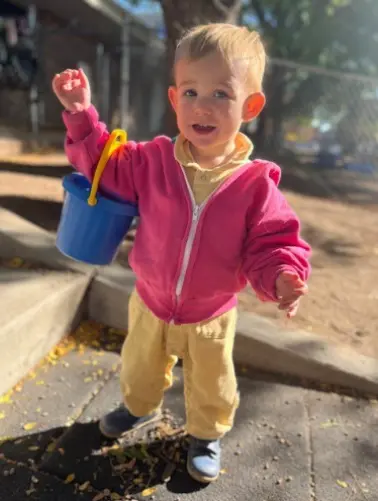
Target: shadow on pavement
(43, 213)
(57, 171)
(129, 466)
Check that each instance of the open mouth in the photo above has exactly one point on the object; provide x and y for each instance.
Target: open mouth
(203, 129)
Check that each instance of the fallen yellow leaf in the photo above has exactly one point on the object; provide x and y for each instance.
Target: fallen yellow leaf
(6, 398)
(99, 496)
(88, 380)
(342, 484)
(29, 426)
(223, 472)
(40, 383)
(149, 492)
(51, 447)
(329, 424)
(115, 496)
(118, 332)
(16, 262)
(70, 478)
(84, 486)
(33, 448)
(2, 415)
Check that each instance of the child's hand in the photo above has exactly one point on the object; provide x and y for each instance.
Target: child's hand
(289, 289)
(73, 90)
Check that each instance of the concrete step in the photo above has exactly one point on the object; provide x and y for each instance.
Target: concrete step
(21, 238)
(10, 146)
(16, 142)
(259, 343)
(37, 308)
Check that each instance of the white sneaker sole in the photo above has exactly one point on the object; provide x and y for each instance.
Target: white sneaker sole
(200, 478)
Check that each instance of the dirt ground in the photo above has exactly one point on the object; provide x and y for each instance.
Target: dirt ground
(339, 214)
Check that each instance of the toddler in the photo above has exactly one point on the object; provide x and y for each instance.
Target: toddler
(212, 220)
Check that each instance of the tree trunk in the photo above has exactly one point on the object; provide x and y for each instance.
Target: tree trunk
(180, 16)
(259, 136)
(275, 140)
(268, 136)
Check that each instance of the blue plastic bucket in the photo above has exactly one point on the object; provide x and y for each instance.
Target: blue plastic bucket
(91, 234)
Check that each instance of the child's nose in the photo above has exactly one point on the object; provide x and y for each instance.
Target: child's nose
(202, 107)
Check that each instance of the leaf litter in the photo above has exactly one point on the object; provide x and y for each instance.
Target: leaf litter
(140, 466)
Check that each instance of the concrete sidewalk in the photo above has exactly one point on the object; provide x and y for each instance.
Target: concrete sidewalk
(288, 444)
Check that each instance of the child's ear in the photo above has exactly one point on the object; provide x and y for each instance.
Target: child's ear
(172, 96)
(253, 106)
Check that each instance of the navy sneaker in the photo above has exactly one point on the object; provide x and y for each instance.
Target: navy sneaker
(120, 421)
(204, 458)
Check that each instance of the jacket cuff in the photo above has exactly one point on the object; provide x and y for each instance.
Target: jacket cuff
(80, 125)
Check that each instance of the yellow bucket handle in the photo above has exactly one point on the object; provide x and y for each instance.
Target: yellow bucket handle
(116, 139)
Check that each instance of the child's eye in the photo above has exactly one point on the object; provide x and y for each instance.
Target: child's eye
(221, 94)
(190, 93)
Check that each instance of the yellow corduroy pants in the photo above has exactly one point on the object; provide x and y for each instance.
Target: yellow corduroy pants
(150, 352)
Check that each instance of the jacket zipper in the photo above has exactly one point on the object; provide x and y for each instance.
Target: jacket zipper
(196, 214)
(188, 248)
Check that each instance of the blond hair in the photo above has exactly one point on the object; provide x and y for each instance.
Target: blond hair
(233, 43)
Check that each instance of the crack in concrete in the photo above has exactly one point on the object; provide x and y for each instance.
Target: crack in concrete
(310, 441)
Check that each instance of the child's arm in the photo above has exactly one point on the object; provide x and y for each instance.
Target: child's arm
(276, 259)
(86, 137)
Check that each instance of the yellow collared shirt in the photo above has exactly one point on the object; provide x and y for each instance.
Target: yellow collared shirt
(204, 182)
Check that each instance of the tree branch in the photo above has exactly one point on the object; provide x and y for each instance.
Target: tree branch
(219, 5)
(225, 10)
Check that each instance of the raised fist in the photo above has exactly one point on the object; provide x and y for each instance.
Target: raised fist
(73, 90)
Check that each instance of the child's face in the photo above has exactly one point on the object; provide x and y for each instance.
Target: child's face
(211, 100)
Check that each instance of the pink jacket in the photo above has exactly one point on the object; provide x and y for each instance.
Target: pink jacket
(190, 261)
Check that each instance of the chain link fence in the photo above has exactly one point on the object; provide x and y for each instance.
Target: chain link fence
(324, 117)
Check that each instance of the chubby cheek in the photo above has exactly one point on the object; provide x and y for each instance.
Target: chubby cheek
(184, 113)
(230, 114)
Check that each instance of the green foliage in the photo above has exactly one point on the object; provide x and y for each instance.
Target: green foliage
(337, 34)
(334, 34)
